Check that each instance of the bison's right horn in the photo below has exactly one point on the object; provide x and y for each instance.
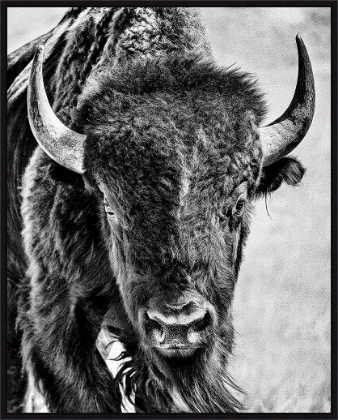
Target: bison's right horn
(62, 144)
(284, 134)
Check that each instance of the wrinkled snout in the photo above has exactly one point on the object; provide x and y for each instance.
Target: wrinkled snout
(177, 329)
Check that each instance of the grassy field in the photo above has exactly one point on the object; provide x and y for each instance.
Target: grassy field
(282, 302)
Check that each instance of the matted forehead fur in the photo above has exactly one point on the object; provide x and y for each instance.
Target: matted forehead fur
(171, 122)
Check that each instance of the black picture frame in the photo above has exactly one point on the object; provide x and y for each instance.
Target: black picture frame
(296, 240)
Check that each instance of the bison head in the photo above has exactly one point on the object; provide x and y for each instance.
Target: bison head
(173, 149)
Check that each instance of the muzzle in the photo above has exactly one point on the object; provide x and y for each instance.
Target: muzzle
(177, 329)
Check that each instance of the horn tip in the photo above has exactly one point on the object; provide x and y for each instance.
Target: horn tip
(299, 40)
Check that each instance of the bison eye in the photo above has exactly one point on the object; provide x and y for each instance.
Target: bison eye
(238, 210)
(108, 210)
(229, 212)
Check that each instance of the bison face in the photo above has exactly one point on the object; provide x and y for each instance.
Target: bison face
(175, 176)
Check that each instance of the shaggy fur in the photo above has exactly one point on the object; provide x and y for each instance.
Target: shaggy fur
(173, 148)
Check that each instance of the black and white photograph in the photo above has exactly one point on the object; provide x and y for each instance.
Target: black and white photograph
(168, 180)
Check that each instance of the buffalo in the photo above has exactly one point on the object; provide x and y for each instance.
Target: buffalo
(137, 162)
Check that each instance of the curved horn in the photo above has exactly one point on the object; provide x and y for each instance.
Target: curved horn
(281, 136)
(63, 145)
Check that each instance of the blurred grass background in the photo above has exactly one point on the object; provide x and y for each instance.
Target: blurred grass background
(282, 302)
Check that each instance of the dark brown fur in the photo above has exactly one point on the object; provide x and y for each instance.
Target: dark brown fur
(172, 141)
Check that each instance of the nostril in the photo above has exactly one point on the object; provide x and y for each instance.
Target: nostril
(154, 327)
(151, 324)
(202, 323)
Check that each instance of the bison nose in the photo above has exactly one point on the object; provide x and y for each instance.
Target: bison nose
(177, 330)
(176, 318)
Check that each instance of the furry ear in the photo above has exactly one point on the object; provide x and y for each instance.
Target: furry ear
(288, 169)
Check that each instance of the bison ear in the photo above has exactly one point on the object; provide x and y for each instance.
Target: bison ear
(288, 170)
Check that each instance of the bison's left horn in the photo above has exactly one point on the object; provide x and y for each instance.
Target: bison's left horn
(281, 136)
(63, 145)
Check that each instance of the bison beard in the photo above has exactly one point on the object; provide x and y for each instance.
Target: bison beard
(199, 384)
